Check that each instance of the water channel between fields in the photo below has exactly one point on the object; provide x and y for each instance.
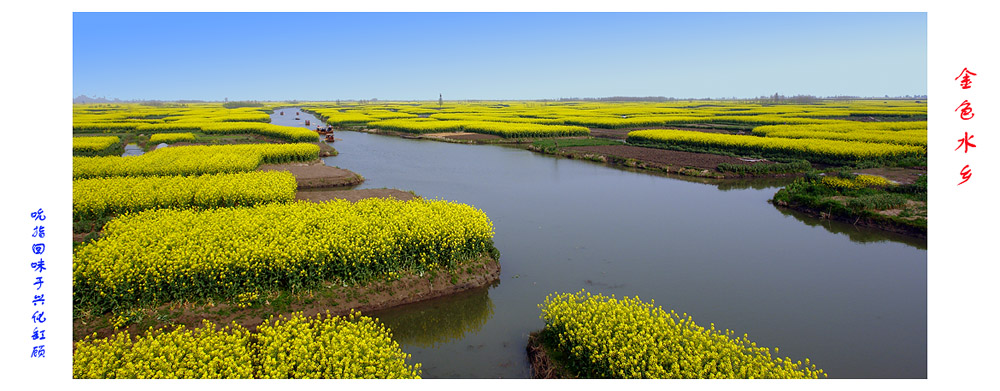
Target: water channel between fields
(854, 301)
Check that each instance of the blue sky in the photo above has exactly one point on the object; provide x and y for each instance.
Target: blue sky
(407, 56)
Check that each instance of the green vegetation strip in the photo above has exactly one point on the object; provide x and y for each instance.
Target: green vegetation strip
(550, 146)
(856, 197)
(765, 168)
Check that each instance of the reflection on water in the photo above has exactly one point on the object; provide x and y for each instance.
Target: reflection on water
(855, 233)
(132, 150)
(755, 183)
(431, 323)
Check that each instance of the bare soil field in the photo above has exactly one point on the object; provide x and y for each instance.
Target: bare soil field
(315, 174)
(896, 174)
(661, 157)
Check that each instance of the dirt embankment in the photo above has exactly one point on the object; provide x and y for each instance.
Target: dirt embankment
(899, 175)
(884, 224)
(325, 149)
(334, 296)
(663, 160)
(316, 175)
(663, 157)
(541, 362)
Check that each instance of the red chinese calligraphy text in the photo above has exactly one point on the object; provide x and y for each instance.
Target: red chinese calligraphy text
(966, 81)
(965, 141)
(966, 174)
(966, 107)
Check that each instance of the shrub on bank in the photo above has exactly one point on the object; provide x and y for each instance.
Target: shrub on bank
(765, 168)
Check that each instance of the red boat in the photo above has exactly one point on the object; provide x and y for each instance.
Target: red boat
(282, 113)
(329, 138)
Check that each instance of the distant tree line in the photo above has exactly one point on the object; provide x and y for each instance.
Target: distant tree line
(763, 99)
(620, 99)
(242, 103)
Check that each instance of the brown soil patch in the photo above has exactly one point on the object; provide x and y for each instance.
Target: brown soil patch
(910, 204)
(662, 157)
(353, 195)
(331, 296)
(896, 174)
(315, 174)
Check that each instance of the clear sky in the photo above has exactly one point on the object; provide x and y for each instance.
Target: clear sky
(415, 56)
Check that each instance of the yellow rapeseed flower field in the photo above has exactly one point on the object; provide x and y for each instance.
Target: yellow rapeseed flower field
(96, 197)
(177, 254)
(193, 160)
(858, 182)
(329, 347)
(171, 137)
(605, 337)
(813, 150)
(323, 347)
(93, 144)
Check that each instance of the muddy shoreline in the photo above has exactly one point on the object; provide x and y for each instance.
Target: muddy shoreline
(881, 224)
(541, 363)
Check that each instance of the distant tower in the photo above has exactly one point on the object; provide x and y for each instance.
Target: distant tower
(440, 99)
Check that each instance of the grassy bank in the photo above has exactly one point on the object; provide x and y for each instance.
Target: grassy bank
(860, 200)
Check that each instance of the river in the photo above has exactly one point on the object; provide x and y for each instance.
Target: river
(854, 301)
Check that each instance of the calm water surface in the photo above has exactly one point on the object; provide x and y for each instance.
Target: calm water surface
(853, 301)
